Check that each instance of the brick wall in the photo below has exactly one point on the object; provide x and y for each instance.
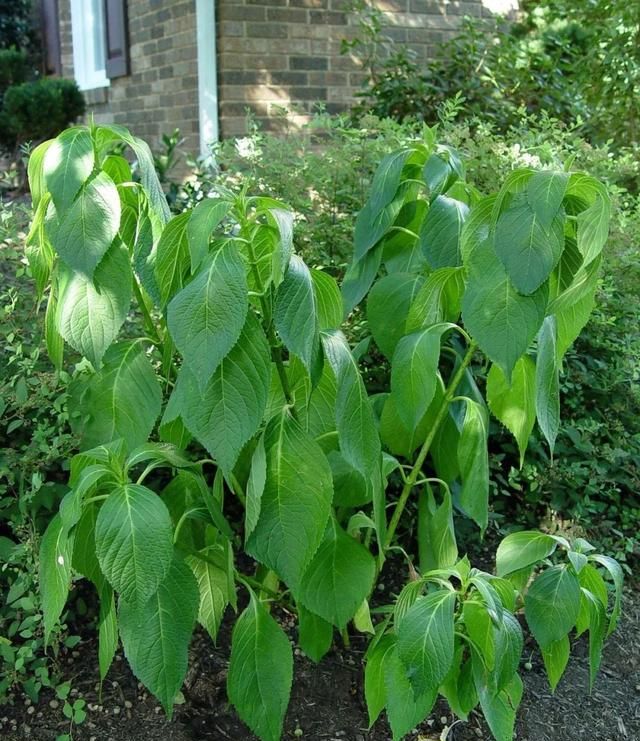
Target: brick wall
(271, 54)
(287, 52)
(161, 93)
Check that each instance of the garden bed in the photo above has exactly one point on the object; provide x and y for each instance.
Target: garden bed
(327, 700)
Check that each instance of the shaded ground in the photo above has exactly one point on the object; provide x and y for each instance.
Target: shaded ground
(327, 700)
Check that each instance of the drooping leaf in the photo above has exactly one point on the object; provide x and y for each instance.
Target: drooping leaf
(387, 308)
(359, 278)
(156, 633)
(338, 579)
(107, 630)
(426, 640)
(83, 233)
(616, 573)
(205, 319)
(473, 462)
(172, 259)
(228, 412)
(66, 163)
(437, 546)
(522, 549)
(35, 172)
(556, 657)
(499, 710)
(123, 400)
(315, 634)
(134, 542)
(547, 382)
(203, 221)
(480, 628)
(441, 230)
(551, 605)
(295, 503)
(414, 373)
(296, 315)
(260, 671)
(405, 708)
(328, 300)
(374, 676)
(501, 320)
(213, 583)
(593, 222)
(91, 311)
(514, 404)
(56, 551)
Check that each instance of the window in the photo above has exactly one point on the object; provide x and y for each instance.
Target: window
(88, 32)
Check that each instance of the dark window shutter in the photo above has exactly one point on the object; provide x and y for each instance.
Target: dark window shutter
(117, 41)
(51, 37)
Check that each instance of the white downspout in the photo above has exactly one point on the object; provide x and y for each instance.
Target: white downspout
(207, 74)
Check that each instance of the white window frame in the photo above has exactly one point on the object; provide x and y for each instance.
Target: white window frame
(83, 36)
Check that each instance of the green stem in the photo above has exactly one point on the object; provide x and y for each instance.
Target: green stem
(424, 450)
(148, 320)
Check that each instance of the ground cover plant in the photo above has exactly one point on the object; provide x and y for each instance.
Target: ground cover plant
(242, 352)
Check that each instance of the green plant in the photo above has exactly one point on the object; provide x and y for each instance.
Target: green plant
(242, 342)
(33, 111)
(14, 68)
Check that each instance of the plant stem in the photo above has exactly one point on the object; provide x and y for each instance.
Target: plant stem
(151, 327)
(424, 450)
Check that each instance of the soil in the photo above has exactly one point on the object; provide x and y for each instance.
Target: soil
(327, 699)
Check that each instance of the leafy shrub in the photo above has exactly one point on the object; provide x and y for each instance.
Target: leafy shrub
(33, 111)
(242, 353)
(16, 24)
(14, 68)
(34, 439)
(577, 62)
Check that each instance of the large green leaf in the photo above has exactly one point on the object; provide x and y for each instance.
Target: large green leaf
(156, 634)
(134, 542)
(228, 412)
(82, 234)
(172, 259)
(66, 163)
(260, 671)
(204, 219)
(123, 400)
(296, 315)
(547, 384)
(514, 404)
(522, 549)
(441, 230)
(295, 503)
(528, 250)
(473, 461)
(205, 319)
(107, 630)
(374, 683)
(552, 604)
(426, 640)
(35, 172)
(501, 320)
(387, 308)
(414, 373)
(338, 579)
(90, 311)
(56, 551)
